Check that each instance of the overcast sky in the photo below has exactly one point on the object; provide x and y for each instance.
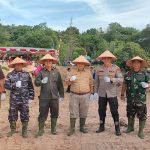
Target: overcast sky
(85, 14)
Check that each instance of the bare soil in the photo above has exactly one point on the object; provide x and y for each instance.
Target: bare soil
(79, 141)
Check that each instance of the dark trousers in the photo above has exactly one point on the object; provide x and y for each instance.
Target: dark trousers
(113, 104)
(133, 109)
(68, 89)
(45, 105)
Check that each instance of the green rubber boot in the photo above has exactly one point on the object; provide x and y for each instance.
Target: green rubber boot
(24, 129)
(72, 126)
(141, 127)
(130, 127)
(82, 124)
(41, 129)
(53, 126)
(12, 128)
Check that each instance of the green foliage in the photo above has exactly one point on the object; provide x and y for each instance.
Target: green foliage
(78, 51)
(124, 42)
(129, 51)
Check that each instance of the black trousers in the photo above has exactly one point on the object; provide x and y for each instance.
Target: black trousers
(113, 104)
(68, 89)
(45, 105)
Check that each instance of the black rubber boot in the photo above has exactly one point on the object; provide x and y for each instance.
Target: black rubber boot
(101, 126)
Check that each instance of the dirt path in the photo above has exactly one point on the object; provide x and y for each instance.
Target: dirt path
(90, 141)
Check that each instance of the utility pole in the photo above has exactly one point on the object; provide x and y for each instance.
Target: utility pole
(70, 43)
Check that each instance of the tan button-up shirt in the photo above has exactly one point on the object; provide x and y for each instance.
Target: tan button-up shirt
(83, 83)
(108, 88)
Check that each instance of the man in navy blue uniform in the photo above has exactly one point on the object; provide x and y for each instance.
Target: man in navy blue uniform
(21, 89)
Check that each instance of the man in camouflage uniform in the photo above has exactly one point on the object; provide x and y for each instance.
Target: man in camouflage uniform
(52, 90)
(135, 84)
(21, 94)
(108, 77)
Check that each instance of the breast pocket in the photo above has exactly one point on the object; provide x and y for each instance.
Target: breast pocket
(111, 74)
(101, 74)
(140, 77)
(54, 78)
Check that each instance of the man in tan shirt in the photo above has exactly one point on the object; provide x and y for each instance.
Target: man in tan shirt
(108, 77)
(81, 86)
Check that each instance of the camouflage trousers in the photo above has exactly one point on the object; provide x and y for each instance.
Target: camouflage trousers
(135, 109)
(17, 106)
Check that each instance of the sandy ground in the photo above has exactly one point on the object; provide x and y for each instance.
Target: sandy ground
(79, 141)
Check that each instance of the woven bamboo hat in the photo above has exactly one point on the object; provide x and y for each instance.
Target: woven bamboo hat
(144, 63)
(17, 60)
(48, 57)
(107, 53)
(81, 59)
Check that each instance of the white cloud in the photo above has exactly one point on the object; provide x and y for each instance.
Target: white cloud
(130, 13)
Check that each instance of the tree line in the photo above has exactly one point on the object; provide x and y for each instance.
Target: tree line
(124, 42)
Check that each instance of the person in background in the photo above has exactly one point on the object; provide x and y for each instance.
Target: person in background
(52, 90)
(81, 83)
(107, 78)
(2, 89)
(68, 74)
(135, 84)
(21, 89)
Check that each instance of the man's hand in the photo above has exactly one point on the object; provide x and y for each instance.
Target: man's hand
(96, 96)
(73, 78)
(61, 99)
(30, 101)
(91, 96)
(123, 97)
(106, 79)
(144, 85)
(18, 84)
(3, 96)
(45, 80)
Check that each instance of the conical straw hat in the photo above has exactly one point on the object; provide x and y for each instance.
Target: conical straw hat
(143, 62)
(48, 57)
(17, 60)
(81, 59)
(107, 53)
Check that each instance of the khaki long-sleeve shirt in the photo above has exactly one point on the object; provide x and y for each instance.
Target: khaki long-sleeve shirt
(83, 83)
(108, 89)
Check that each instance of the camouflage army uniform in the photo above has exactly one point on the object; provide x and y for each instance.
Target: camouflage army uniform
(19, 97)
(135, 93)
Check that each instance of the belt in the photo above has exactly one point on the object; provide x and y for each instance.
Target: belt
(79, 93)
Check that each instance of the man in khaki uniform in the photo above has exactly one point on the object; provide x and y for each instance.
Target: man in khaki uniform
(81, 86)
(108, 76)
